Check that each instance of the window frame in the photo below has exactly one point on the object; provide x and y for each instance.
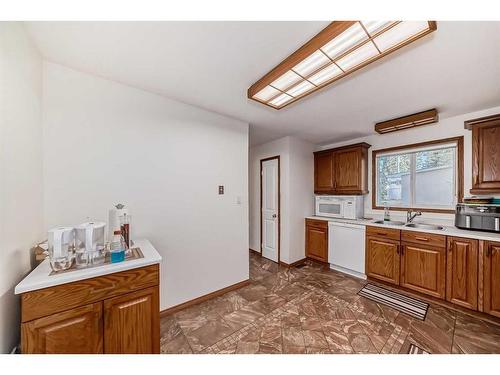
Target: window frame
(459, 172)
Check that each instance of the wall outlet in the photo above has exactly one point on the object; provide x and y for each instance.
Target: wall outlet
(221, 189)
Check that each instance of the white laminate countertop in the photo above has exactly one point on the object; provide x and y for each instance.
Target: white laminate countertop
(448, 230)
(40, 277)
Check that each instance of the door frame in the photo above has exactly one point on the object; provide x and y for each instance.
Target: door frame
(279, 203)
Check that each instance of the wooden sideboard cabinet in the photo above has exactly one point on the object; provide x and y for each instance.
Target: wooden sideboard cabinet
(115, 313)
(317, 240)
(485, 154)
(342, 170)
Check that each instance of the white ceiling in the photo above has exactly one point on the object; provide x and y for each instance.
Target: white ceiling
(211, 65)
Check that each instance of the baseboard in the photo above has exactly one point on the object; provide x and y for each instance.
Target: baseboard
(204, 298)
(255, 251)
(294, 264)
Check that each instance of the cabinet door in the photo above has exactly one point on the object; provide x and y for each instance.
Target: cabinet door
(323, 172)
(347, 170)
(423, 268)
(132, 323)
(492, 278)
(382, 259)
(317, 243)
(462, 272)
(75, 331)
(486, 158)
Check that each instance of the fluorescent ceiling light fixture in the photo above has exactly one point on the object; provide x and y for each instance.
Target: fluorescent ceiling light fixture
(331, 71)
(338, 50)
(281, 100)
(286, 80)
(358, 56)
(301, 88)
(399, 33)
(311, 64)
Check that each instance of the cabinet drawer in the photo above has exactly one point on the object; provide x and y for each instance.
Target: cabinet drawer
(43, 302)
(389, 233)
(423, 238)
(323, 224)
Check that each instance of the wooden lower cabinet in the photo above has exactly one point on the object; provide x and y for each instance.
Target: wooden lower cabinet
(491, 261)
(115, 313)
(382, 259)
(131, 323)
(76, 331)
(423, 269)
(317, 240)
(462, 272)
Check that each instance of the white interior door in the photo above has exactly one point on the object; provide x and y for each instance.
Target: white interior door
(270, 209)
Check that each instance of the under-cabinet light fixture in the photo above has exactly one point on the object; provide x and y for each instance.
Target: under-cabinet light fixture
(338, 50)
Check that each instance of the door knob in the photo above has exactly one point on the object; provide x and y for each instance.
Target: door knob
(274, 216)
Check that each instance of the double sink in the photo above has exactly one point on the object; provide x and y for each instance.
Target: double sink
(410, 225)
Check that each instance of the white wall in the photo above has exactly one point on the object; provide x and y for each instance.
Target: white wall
(297, 189)
(106, 143)
(20, 169)
(445, 128)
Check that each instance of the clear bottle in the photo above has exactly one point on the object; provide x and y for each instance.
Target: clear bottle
(387, 214)
(117, 248)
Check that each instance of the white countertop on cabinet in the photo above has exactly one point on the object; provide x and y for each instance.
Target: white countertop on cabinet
(40, 277)
(447, 231)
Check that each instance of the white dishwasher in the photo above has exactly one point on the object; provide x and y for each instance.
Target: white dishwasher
(346, 248)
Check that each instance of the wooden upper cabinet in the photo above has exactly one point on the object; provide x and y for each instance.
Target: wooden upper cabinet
(462, 272)
(323, 172)
(342, 170)
(317, 240)
(131, 323)
(485, 154)
(382, 259)
(491, 261)
(75, 331)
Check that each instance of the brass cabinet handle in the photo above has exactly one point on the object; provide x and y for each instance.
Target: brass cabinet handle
(421, 238)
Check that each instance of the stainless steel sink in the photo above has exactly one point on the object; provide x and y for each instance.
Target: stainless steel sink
(424, 226)
(389, 222)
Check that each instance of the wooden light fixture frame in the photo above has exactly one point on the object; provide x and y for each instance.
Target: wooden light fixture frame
(430, 116)
(334, 29)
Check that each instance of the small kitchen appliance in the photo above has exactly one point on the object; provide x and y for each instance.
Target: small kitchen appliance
(90, 248)
(61, 247)
(485, 217)
(340, 206)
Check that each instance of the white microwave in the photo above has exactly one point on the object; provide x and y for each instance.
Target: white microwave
(340, 206)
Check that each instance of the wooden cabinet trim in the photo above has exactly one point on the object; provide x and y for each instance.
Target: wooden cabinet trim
(44, 302)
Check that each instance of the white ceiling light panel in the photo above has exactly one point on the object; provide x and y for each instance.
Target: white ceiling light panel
(266, 93)
(309, 65)
(374, 27)
(345, 41)
(325, 74)
(358, 56)
(286, 80)
(280, 100)
(400, 33)
(301, 88)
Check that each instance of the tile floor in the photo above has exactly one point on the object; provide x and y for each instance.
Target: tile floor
(311, 309)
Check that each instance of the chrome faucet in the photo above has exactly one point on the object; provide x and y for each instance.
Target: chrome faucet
(410, 215)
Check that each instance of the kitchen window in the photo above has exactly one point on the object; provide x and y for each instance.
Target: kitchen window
(425, 176)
